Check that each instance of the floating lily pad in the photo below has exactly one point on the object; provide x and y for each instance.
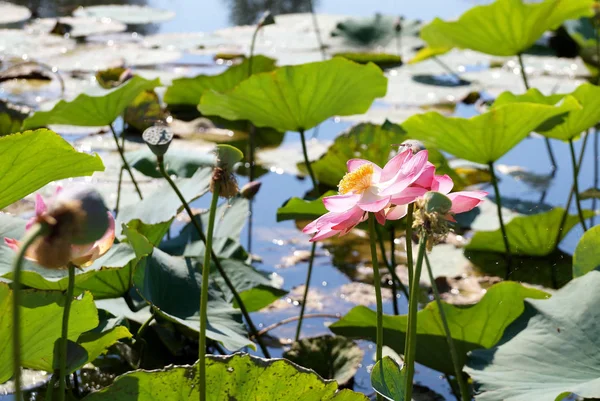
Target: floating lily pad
(301, 209)
(240, 376)
(555, 345)
(486, 137)
(382, 60)
(299, 97)
(126, 13)
(18, 43)
(490, 28)
(331, 357)
(94, 57)
(11, 13)
(184, 41)
(533, 235)
(77, 27)
(477, 326)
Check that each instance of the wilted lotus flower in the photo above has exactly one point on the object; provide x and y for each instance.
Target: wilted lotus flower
(81, 229)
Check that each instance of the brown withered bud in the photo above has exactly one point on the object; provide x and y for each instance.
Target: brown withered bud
(249, 190)
(228, 187)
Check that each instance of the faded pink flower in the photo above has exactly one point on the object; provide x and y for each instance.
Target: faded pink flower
(56, 253)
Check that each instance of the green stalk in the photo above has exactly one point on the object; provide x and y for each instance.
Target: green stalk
(306, 287)
(204, 292)
(596, 156)
(391, 267)
(464, 389)
(377, 283)
(119, 185)
(413, 308)
(306, 160)
(409, 232)
(125, 164)
(501, 220)
(197, 223)
(447, 68)
(32, 235)
(317, 30)
(64, 340)
(563, 219)
(546, 140)
(576, 185)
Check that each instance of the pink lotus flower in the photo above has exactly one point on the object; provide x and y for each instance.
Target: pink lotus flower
(79, 255)
(369, 188)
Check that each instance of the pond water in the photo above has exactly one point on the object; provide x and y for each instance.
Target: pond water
(274, 241)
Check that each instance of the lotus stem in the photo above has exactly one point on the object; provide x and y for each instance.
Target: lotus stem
(295, 318)
(462, 384)
(196, 222)
(32, 235)
(391, 266)
(307, 161)
(317, 29)
(119, 185)
(125, 164)
(413, 308)
(408, 240)
(64, 340)
(446, 68)
(546, 140)
(204, 292)
(563, 219)
(377, 283)
(306, 288)
(501, 220)
(595, 173)
(576, 185)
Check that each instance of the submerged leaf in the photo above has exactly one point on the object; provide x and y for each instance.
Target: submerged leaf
(297, 98)
(505, 27)
(554, 344)
(472, 327)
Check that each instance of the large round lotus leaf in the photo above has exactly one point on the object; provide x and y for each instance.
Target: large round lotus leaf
(96, 57)
(78, 26)
(18, 43)
(505, 27)
(299, 97)
(551, 350)
(127, 14)
(11, 13)
(239, 377)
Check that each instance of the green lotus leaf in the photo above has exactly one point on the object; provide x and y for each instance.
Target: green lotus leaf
(172, 285)
(300, 209)
(41, 326)
(582, 31)
(153, 215)
(388, 379)
(188, 91)
(331, 357)
(487, 137)
(554, 344)
(533, 235)
(96, 344)
(239, 377)
(91, 111)
(228, 156)
(382, 60)
(573, 124)
(297, 98)
(585, 258)
(505, 27)
(32, 159)
(477, 326)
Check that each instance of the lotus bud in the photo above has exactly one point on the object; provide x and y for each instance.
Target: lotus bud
(249, 190)
(266, 19)
(398, 25)
(158, 138)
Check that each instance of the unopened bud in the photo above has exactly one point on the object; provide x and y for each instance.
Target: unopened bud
(266, 19)
(158, 138)
(249, 190)
(413, 144)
